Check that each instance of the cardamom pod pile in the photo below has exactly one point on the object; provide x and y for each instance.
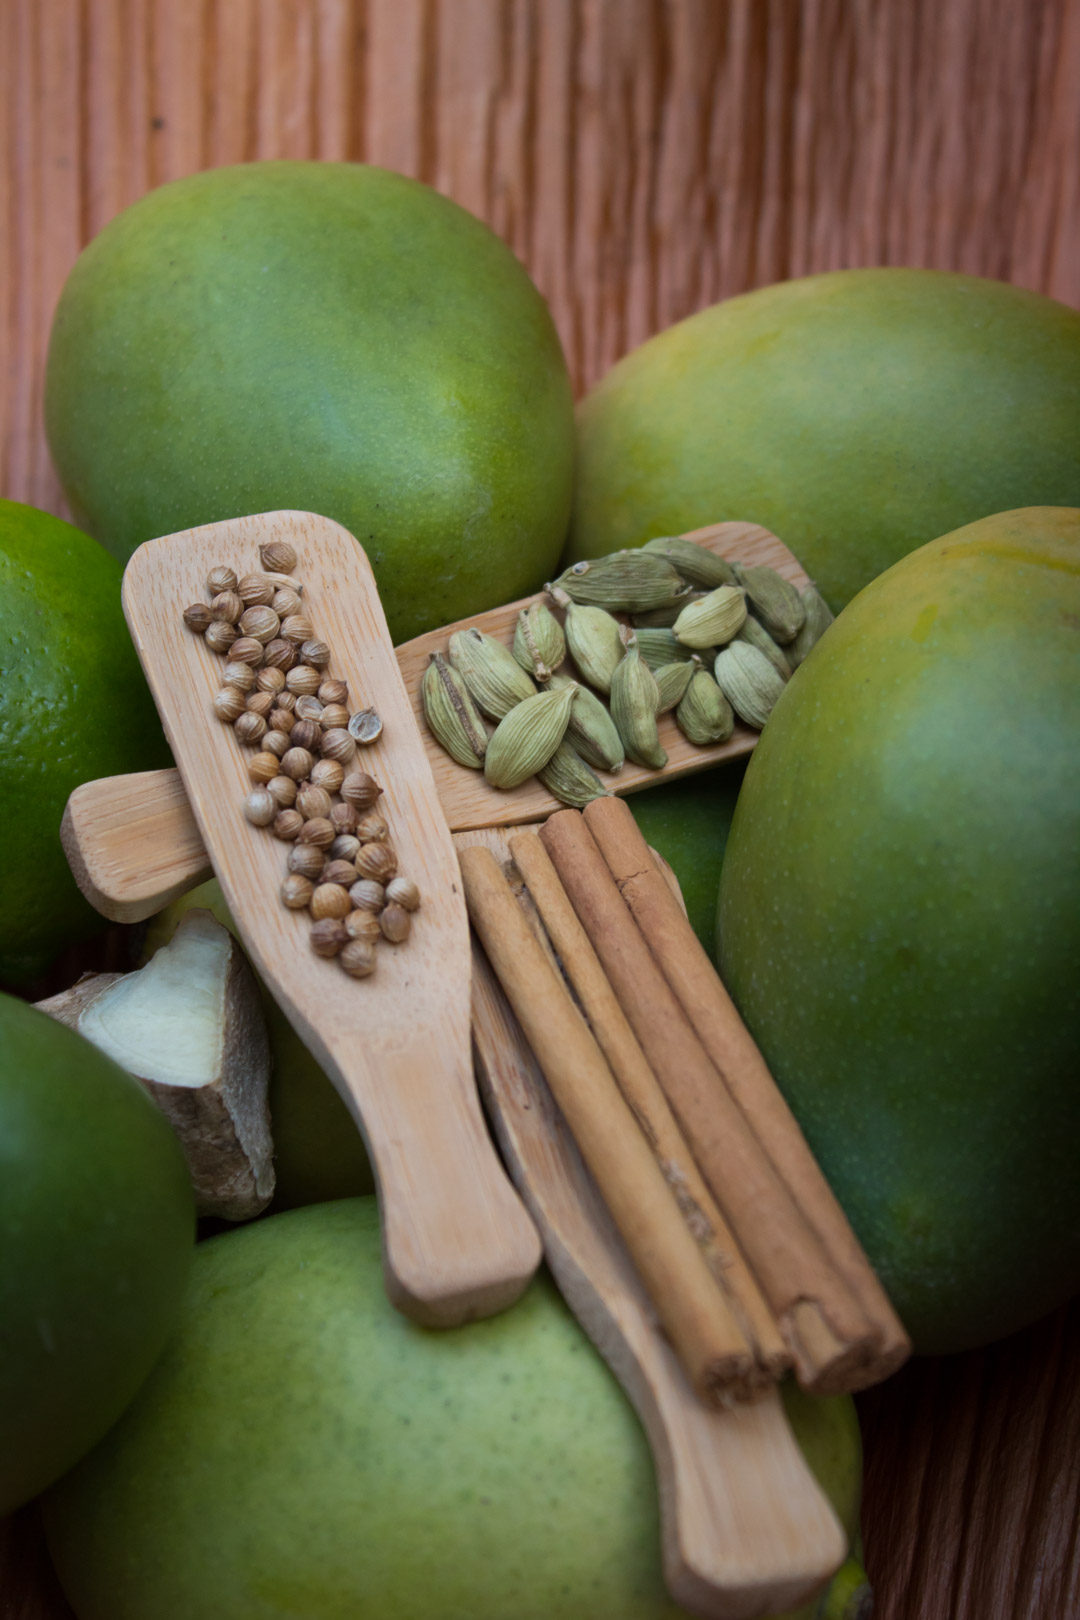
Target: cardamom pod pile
(278, 695)
(707, 639)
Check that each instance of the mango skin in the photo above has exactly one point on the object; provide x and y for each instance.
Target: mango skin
(900, 920)
(323, 336)
(304, 1450)
(857, 414)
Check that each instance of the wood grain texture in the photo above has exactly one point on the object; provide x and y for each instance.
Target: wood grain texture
(643, 158)
(457, 1243)
(745, 1529)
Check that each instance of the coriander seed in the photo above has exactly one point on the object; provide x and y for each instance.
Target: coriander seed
(197, 617)
(255, 590)
(363, 924)
(246, 650)
(343, 873)
(328, 935)
(328, 774)
(227, 606)
(298, 628)
(367, 895)
(238, 674)
(365, 726)
(297, 763)
(287, 700)
(307, 860)
(315, 653)
(360, 790)
(402, 891)
(344, 818)
(357, 957)
(302, 679)
(338, 745)
(286, 601)
(372, 828)
(334, 692)
(329, 900)
(314, 802)
(228, 704)
(220, 579)
(276, 742)
(250, 728)
(335, 717)
(378, 861)
(220, 636)
(280, 654)
(307, 734)
(286, 825)
(259, 702)
(269, 679)
(259, 807)
(319, 833)
(260, 622)
(296, 891)
(263, 767)
(344, 847)
(395, 923)
(309, 708)
(280, 719)
(283, 789)
(277, 556)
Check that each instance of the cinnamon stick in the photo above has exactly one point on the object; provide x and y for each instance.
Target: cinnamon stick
(824, 1325)
(703, 1330)
(647, 1101)
(694, 980)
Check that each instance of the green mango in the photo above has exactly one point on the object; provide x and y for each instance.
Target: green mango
(97, 1232)
(900, 920)
(857, 415)
(304, 1450)
(324, 336)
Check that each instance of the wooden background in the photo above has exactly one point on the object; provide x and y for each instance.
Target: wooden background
(643, 158)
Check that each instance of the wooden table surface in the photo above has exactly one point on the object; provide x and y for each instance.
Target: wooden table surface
(643, 158)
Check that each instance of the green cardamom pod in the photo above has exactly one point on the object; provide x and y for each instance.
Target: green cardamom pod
(704, 716)
(592, 731)
(661, 647)
(817, 621)
(713, 619)
(672, 679)
(593, 639)
(451, 714)
(663, 618)
(539, 643)
(696, 563)
(748, 681)
(624, 581)
(773, 600)
(493, 675)
(567, 777)
(635, 698)
(756, 634)
(524, 741)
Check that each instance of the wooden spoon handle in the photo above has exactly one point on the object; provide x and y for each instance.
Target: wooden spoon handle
(745, 1529)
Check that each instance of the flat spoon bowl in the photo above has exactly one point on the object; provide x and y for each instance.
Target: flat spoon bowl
(457, 1240)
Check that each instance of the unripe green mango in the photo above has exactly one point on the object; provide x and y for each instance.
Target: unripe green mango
(857, 414)
(304, 1450)
(324, 336)
(900, 920)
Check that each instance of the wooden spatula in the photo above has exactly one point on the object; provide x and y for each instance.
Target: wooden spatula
(134, 845)
(457, 1241)
(745, 1528)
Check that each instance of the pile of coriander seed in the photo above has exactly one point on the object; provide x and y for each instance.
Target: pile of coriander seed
(281, 700)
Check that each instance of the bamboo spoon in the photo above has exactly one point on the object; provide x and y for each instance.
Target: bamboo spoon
(457, 1242)
(745, 1529)
(133, 844)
